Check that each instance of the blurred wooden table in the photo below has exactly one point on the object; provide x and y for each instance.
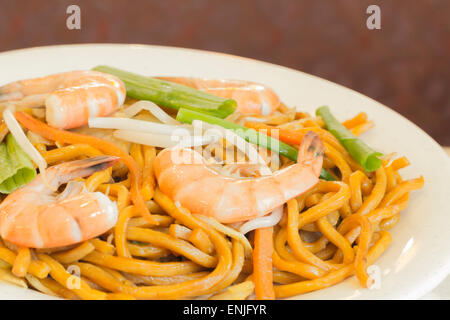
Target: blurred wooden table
(407, 59)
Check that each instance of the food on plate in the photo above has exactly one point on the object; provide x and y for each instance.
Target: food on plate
(177, 187)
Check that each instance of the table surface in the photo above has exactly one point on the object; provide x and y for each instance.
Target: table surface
(407, 59)
(442, 292)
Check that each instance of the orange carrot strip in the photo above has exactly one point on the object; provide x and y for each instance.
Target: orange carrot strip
(262, 264)
(295, 136)
(285, 135)
(106, 147)
(355, 121)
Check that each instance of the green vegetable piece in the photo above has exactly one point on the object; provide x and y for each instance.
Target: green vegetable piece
(325, 175)
(361, 152)
(16, 168)
(171, 95)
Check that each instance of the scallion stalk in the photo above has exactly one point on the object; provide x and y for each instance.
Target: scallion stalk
(361, 152)
(171, 95)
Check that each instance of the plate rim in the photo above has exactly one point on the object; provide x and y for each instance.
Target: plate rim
(229, 55)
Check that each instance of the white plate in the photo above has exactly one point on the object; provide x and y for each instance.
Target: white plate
(419, 256)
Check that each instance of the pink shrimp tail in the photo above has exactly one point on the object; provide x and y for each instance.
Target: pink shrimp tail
(33, 216)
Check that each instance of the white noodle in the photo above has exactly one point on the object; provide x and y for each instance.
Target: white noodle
(263, 222)
(35, 138)
(159, 113)
(73, 188)
(35, 283)
(162, 140)
(135, 125)
(6, 275)
(240, 143)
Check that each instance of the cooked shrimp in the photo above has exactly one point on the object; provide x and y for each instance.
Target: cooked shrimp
(251, 97)
(70, 98)
(183, 175)
(33, 216)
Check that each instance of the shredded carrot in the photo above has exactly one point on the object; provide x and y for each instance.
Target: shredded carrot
(262, 264)
(106, 147)
(285, 135)
(360, 118)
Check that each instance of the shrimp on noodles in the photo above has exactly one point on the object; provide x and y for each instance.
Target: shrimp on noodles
(70, 98)
(33, 216)
(203, 191)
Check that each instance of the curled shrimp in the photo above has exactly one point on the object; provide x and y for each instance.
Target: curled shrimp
(33, 216)
(70, 98)
(183, 175)
(251, 97)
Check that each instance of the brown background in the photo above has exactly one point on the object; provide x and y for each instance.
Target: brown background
(404, 65)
